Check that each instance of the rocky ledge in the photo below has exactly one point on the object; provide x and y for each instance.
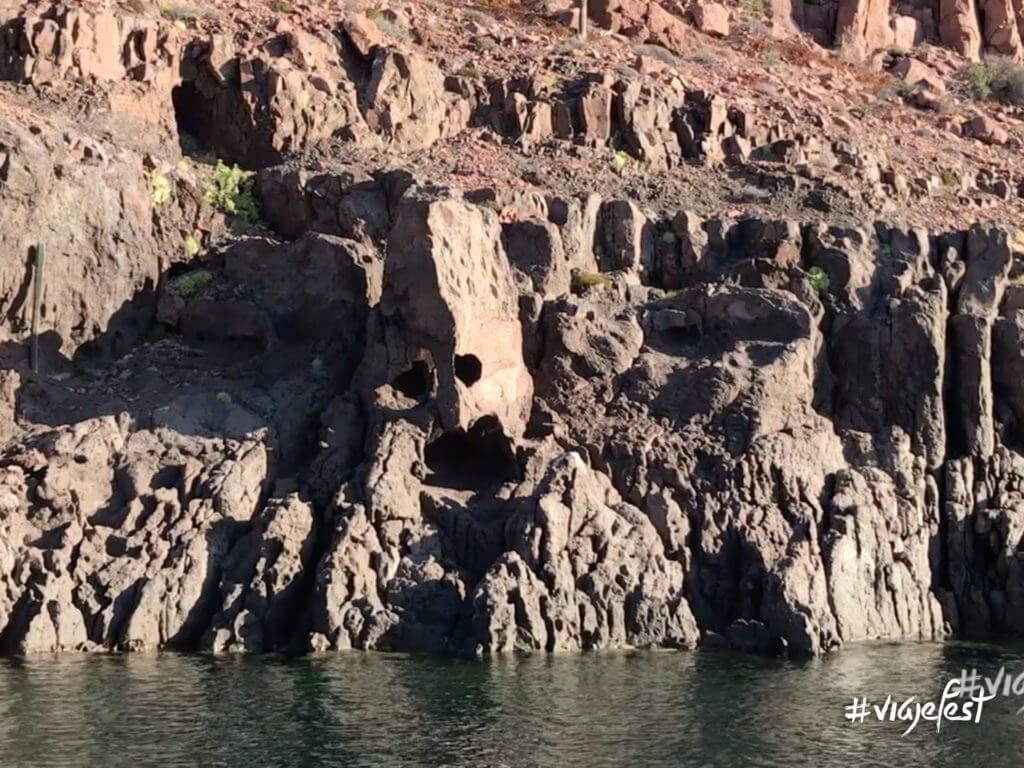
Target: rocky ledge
(408, 415)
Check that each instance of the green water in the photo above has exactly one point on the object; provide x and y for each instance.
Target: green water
(626, 709)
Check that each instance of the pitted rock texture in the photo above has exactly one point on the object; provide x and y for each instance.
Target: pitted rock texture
(755, 459)
(396, 413)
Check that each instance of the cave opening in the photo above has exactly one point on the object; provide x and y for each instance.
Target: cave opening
(416, 382)
(468, 369)
(472, 459)
(682, 335)
(191, 116)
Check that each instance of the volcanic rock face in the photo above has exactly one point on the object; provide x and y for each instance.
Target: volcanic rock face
(403, 415)
(115, 538)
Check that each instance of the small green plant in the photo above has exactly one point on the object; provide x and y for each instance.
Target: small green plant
(818, 279)
(669, 238)
(467, 70)
(191, 246)
(754, 6)
(619, 160)
(191, 283)
(160, 190)
(281, 6)
(230, 191)
(999, 77)
(386, 25)
(493, 205)
(949, 177)
(706, 58)
(771, 58)
(547, 82)
(582, 280)
(903, 88)
(179, 11)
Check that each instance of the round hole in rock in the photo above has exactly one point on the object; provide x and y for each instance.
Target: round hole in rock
(468, 369)
(415, 382)
(472, 459)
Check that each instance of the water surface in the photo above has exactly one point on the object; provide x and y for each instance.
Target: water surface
(615, 709)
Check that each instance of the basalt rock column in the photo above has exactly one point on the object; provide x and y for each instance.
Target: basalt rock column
(449, 314)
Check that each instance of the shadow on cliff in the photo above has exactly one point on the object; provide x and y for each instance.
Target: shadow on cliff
(214, 381)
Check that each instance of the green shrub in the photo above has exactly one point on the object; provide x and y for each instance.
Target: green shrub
(999, 77)
(281, 6)
(754, 6)
(230, 191)
(386, 25)
(191, 283)
(581, 280)
(818, 279)
(160, 190)
(178, 11)
(493, 205)
(949, 177)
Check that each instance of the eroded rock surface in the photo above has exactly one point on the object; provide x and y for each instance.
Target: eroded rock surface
(395, 413)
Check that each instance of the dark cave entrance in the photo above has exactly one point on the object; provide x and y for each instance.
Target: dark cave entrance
(417, 382)
(473, 459)
(468, 369)
(191, 116)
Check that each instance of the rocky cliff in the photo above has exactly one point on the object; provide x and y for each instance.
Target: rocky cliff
(589, 357)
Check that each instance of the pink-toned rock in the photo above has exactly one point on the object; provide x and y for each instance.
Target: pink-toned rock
(782, 18)
(453, 293)
(863, 26)
(906, 32)
(363, 32)
(648, 65)
(665, 28)
(915, 72)
(1000, 33)
(985, 130)
(617, 15)
(711, 18)
(958, 27)
(595, 112)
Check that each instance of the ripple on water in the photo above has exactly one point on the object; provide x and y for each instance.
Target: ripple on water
(594, 710)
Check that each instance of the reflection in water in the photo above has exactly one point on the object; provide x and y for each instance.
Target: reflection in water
(639, 709)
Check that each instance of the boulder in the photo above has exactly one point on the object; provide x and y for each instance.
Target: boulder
(711, 18)
(915, 73)
(986, 130)
(666, 29)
